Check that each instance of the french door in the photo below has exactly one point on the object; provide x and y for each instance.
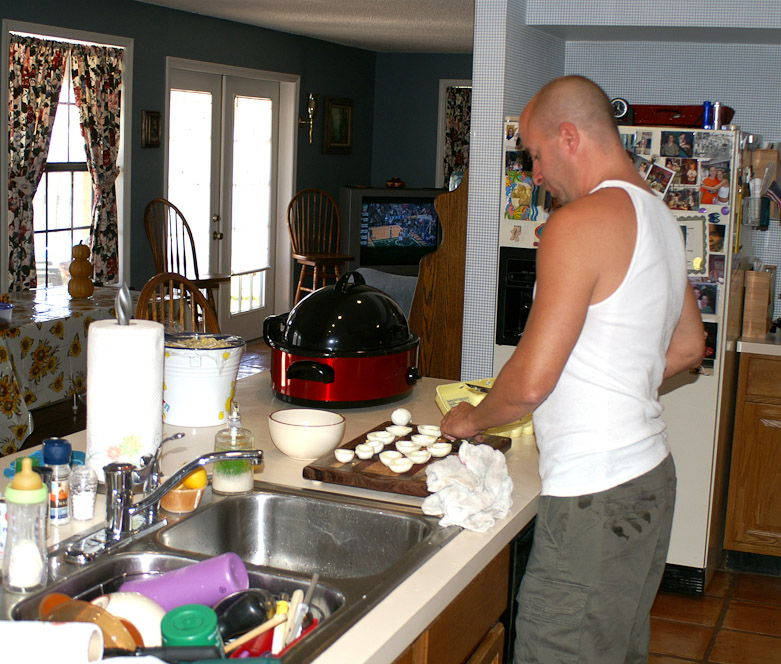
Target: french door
(222, 168)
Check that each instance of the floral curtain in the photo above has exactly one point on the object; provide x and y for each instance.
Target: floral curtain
(35, 72)
(458, 110)
(97, 77)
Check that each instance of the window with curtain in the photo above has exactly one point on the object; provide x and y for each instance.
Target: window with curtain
(64, 121)
(62, 205)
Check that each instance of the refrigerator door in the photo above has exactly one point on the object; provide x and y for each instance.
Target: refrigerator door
(697, 171)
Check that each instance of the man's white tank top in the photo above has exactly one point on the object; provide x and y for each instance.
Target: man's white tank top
(601, 425)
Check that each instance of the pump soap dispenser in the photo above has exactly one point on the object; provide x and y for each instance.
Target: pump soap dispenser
(236, 475)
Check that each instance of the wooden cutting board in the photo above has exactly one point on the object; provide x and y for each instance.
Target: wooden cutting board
(372, 474)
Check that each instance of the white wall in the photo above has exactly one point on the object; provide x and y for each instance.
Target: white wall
(630, 50)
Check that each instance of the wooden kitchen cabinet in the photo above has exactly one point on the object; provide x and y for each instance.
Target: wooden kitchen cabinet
(468, 631)
(753, 520)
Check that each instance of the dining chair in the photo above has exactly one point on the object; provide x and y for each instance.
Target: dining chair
(173, 247)
(177, 303)
(315, 227)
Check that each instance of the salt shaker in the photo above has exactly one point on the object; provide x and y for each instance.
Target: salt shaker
(83, 490)
(25, 565)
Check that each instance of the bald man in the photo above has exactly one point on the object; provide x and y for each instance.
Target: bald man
(613, 315)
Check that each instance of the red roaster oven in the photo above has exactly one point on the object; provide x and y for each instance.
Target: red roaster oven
(344, 345)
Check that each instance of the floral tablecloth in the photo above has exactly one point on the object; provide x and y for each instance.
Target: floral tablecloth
(43, 354)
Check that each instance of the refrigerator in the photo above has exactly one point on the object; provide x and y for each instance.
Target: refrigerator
(697, 172)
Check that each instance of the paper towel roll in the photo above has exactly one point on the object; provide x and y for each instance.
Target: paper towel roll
(64, 643)
(124, 391)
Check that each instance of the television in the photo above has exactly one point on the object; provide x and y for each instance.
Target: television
(390, 229)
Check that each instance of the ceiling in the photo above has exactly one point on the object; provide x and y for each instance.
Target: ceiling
(396, 26)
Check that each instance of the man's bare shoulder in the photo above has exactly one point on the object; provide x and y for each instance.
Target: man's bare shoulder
(603, 211)
(595, 237)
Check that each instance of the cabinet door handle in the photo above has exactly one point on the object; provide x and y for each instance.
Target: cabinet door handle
(775, 424)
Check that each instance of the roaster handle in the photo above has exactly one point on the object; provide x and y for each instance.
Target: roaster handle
(309, 370)
(343, 284)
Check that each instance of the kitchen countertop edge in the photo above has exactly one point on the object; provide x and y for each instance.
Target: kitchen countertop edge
(396, 621)
(769, 345)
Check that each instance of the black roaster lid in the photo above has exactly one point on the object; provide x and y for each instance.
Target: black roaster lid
(348, 317)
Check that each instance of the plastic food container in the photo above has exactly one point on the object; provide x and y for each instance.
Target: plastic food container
(199, 377)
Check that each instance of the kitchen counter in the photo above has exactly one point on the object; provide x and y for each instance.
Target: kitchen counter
(387, 630)
(769, 345)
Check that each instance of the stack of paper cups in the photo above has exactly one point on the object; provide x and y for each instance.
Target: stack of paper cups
(124, 391)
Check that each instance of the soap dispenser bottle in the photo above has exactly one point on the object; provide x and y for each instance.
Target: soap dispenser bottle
(25, 565)
(236, 475)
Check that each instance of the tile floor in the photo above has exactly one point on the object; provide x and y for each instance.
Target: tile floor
(737, 621)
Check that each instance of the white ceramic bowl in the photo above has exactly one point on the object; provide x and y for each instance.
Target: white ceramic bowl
(305, 434)
(144, 613)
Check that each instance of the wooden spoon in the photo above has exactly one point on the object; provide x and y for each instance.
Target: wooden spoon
(257, 631)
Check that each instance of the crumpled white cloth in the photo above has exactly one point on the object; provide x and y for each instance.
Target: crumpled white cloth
(471, 490)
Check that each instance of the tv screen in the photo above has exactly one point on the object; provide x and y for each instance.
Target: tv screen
(397, 231)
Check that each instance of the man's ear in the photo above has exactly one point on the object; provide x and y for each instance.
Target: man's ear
(569, 136)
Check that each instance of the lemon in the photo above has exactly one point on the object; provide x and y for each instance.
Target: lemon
(196, 479)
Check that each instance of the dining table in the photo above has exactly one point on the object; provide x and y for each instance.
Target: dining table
(43, 354)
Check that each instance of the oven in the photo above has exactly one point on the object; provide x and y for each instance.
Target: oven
(517, 273)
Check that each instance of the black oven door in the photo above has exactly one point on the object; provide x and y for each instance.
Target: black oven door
(517, 274)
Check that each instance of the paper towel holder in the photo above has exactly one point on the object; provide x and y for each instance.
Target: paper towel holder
(123, 305)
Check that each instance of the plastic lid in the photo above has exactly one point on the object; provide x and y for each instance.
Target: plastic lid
(18, 463)
(190, 625)
(26, 487)
(347, 318)
(56, 452)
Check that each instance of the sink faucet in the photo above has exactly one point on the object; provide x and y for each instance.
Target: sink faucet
(121, 478)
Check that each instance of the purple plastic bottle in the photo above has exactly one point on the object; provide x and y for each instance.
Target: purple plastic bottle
(205, 582)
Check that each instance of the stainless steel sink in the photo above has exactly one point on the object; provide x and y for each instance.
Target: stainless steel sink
(303, 533)
(107, 575)
(361, 550)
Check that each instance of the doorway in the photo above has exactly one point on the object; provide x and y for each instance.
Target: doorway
(228, 174)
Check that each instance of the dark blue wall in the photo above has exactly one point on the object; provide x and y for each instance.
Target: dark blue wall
(406, 100)
(328, 69)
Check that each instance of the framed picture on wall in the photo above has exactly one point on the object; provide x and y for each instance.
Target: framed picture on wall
(338, 133)
(150, 129)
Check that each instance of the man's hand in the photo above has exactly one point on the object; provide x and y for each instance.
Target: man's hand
(455, 424)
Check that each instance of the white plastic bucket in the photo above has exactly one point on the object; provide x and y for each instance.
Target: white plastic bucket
(198, 382)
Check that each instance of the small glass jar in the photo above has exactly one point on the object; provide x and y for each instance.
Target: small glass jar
(83, 491)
